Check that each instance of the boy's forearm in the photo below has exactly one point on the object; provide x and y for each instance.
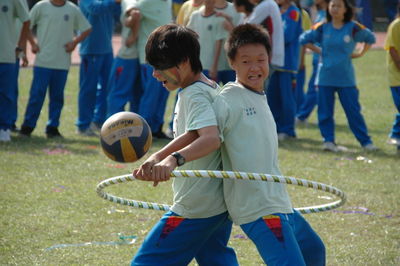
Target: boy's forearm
(24, 35)
(177, 144)
(82, 36)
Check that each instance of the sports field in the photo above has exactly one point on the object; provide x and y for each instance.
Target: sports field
(50, 213)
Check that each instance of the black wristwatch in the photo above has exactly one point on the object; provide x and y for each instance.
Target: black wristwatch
(180, 160)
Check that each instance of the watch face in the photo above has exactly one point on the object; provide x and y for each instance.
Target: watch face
(180, 160)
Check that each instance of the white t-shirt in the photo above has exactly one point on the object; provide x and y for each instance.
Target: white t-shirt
(55, 28)
(197, 197)
(249, 144)
(267, 13)
(210, 29)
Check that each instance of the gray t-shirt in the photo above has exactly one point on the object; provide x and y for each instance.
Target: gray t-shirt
(197, 197)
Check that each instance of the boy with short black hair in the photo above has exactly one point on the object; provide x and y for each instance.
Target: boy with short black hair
(199, 210)
(249, 143)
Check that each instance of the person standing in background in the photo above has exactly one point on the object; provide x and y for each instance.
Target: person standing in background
(56, 22)
(96, 60)
(12, 44)
(186, 11)
(153, 13)
(392, 46)
(124, 83)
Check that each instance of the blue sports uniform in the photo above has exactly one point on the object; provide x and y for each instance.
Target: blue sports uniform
(310, 98)
(336, 74)
(96, 61)
(280, 93)
(124, 83)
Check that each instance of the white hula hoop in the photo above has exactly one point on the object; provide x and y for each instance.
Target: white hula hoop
(225, 174)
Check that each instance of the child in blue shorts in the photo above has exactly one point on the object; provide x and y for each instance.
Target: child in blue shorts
(56, 21)
(198, 211)
(124, 82)
(11, 12)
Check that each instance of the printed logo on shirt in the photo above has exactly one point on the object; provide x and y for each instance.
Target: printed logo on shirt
(346, 38)
(250, 111)
(66, 17)
(274, 224)
(209, 27)
(4, 8)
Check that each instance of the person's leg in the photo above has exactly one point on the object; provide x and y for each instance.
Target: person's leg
(395, 132)
(15, 97)
(100, 111)
(88, 79)
(287, 87)
(7, 86)
(349, 99)
(299, 94)
(137, 89)
(310, 99)
(37, 94)
(273, 98)
(175, 240)
(154, 99)
(311, 245)
(275, 240)
(56, 96)
(216, 251)
(121, 84)
(326, 107)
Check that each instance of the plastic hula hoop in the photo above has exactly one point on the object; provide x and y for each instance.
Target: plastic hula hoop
(229, 175)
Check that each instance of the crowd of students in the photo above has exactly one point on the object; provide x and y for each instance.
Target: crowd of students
(108, 84)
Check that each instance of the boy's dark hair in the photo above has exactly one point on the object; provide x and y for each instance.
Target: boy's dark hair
(171, 44)
(245, 3)
(348, 15)
(247, 34)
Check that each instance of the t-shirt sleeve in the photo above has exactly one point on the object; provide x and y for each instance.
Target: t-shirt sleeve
(310, 36)
(21, 10)
(363, 34)
(200, 113)
(221, 109)
(393, 36)
(33, 16)
(81, 23)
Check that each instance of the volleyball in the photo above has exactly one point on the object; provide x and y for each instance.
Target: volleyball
(125, 137)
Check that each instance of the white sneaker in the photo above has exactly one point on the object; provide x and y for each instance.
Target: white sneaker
(394, 141)
(282, 136)
(370, 147)
(330, 146)
(169, 133)
(5, 135)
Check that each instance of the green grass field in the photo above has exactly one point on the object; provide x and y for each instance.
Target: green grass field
(47, 188)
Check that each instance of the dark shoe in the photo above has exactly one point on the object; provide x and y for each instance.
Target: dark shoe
(25, 131)
(14, 129)
(52, 132)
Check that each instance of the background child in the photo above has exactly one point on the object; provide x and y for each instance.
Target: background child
(96, 60)
(153, 13)
(338, 38)
(186, 11)
(282, 84)
(11, 11)
(124, 83)
(198, 210)
(392, 45)
(211, 33)
(249, 144)
(56, 22)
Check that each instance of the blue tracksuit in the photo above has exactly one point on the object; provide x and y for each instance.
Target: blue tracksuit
(336, 74)
(281, 88)
(96, 61)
